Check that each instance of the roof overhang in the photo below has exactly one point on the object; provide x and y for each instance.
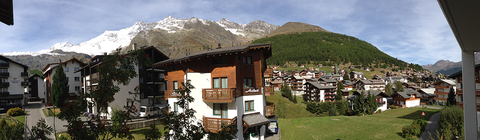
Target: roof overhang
(6, 11)
(463, 18)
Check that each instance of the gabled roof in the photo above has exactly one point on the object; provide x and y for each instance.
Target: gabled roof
(407, 93)
(328, 80)
(10, 60)
(374, 92)
(220, 51)
(448, 81)
(371, 82)
(54, 65)
(319, 86)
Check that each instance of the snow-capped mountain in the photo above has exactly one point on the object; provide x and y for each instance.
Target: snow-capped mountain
(111, 40)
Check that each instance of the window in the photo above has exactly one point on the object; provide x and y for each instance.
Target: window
(76, 68)
(220, 82)
(3, 70)
(219, 61)
(249, 106)
(248, 82)
(220, 109)
(4, 80)
(77, 88)
(77, 78)
(175, 85)
(174, 67)
(247, 60)
(66, 69)
(166, 85)
(175, 107)
(67, 78)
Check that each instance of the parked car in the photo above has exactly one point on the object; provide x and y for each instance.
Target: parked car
(273, 125)
(149, 111)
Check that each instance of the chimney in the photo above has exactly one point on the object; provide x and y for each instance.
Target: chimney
(133, 46)
(219, 46)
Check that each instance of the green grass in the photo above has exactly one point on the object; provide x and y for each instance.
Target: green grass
(36, 71)
(137, 133)
(434, 105)
(57, 111)
(19, 118)
(291, 110)
(386, 125)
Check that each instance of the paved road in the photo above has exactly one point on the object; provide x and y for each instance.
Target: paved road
(273, 136)
(34, 113)
(432, 126)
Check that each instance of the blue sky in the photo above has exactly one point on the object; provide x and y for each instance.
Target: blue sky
(411, 30)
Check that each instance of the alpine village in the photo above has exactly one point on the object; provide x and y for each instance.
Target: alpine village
(206, 80)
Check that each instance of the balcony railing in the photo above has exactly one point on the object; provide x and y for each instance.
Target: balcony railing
(24, 84)
(4, 65)
(215, 124)
(270, 109)
(3, 94)
(268, 90)
(219, 95)
(4, 74)
(24, 74)
(4, 84)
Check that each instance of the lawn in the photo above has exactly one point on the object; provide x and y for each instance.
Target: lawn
(290, 109)
(386, 125)
(57, 111)
(19, 118)
(137, 133)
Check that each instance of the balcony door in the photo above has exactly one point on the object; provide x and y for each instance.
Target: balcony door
(220, 82)
(220, 109)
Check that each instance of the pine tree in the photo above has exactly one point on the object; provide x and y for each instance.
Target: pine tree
(399, 87)
(451, 98)
(415, 79)
(346, 77)
(389, 90)
(339, 96)
(295, 98)
(59, 87)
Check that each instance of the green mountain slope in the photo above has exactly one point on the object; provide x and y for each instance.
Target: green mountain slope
(328, 48)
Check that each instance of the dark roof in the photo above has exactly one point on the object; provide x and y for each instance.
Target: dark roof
(241, 48)
(407, 93)
(8, 59)
(374, 92)
(6, 11)
(460, 72)
(328, 80)
(318, 86)
(255, 119)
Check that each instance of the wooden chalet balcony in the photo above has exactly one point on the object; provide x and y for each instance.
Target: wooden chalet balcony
(270, 109)
(3, 65)
(460, 91)
(219, 95)
(268, 90)
(215, 124)
(268, 73)
(4, 84)
(4, 74)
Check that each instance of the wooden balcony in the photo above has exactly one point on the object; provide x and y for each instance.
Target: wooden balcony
(215, 124)
(219, 95)
(268, 90)
(268, 73)
(460, 91)
(270, 109)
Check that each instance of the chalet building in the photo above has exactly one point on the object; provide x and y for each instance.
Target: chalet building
(393, 79)
(380, 96)
(427, 96)
(229, 87)
(408, 98)
(328, 81)
(36, 88)
(348, 85)
(268, 77)
(316, 92)
(13, 83)
(151, 81)
(370, 85)
(74, 81)
(459, 87)
(356, 75)
(442, 88)
(297, 84)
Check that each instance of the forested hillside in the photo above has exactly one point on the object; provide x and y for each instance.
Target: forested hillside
(327, 49)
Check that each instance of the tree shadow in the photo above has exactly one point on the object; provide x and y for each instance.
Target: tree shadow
(418, 114)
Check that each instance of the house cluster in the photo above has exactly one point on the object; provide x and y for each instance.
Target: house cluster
(317, 87)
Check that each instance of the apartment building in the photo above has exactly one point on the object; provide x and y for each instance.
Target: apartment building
(13, 83)
(316, 92)
(73, 79)
(442, 88)
(229, 87)
(459, 86)
(151, 82)
(370, 85)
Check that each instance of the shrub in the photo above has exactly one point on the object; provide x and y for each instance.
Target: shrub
(393, 107)
(379, 111)
(15, 111)
(451, 122)
(2, 123)
(414, 129)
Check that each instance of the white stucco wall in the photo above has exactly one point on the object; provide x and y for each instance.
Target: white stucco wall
(71, 76)
(412, 103)
(41, 88)
(15, 79)
(384, 106)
